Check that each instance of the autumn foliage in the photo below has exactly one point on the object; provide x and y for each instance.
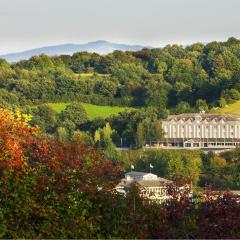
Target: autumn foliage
(44, 185)
(49, 189)
(15, 137)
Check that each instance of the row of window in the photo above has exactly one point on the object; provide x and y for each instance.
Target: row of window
(205, 133)
(157, 190)
(211, 144)
(231, 128)
(199, 135)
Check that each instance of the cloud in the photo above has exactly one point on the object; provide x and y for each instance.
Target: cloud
(6, 13)
(14, 13)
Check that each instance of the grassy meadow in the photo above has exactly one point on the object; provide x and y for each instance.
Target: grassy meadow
(87, 75)
(233, 109)
(93, 111)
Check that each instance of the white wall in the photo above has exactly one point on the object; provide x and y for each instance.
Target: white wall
(201, 129)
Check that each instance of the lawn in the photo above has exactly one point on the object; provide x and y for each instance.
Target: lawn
(93, 111)
(230, 109)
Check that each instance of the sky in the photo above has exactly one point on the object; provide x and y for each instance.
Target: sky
(26, 24)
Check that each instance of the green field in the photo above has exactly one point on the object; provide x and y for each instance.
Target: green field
(230, 109)
(93, 111)
(92, 74)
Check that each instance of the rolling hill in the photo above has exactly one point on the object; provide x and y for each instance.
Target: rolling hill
(101, 47)
(233, 109)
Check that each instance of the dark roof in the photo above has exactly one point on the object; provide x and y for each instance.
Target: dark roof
(203, 116)
(136, 173)
(154, 183)
(159, 182)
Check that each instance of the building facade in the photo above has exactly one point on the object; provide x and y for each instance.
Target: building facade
(151, 186)
(195, 130)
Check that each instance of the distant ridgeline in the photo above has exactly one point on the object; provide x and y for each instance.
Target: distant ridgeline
(100, 47)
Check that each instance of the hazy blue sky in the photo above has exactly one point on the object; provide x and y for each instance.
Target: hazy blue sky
(26, 24)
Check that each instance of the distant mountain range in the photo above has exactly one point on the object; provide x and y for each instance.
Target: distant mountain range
(101, 47)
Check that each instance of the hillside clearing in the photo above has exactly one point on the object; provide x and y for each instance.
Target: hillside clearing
(93, 111)
(233, 109)
(83, 75)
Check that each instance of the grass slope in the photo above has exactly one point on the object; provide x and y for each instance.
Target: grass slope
(87, 75)
(233, 109)
(93, 111)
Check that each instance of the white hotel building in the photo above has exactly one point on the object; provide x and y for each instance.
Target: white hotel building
(150, 185)
(193, 130)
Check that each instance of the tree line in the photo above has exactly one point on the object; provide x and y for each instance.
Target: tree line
(220, 171)
(175, 78)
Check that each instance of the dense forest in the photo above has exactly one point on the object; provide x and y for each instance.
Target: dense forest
(173, 79)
